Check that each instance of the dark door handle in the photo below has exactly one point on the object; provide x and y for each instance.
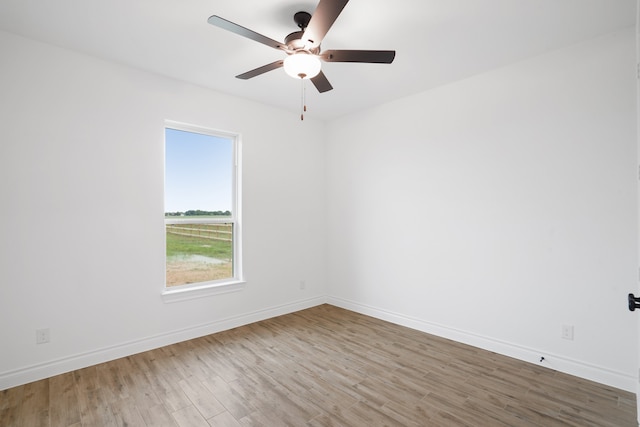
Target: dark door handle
(634, 302)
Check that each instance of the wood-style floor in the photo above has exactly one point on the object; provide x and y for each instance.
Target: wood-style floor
(319, 367)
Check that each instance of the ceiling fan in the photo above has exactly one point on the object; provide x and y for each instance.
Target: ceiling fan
(303, 47)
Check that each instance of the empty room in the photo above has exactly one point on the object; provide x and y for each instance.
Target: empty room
(322, 213)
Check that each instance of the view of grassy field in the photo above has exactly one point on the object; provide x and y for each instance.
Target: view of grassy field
(192, 245)
(198, 253)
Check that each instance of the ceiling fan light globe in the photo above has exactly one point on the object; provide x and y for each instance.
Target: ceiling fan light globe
(302, 65)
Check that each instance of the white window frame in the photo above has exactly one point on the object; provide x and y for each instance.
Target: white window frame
(213, 287)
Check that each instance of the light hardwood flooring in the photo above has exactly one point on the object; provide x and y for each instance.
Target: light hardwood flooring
(323, 366)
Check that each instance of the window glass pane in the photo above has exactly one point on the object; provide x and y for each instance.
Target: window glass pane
(199, 187)
(199, 253)
(198, 172)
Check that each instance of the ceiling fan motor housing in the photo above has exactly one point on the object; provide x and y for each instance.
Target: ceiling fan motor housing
(294, 42)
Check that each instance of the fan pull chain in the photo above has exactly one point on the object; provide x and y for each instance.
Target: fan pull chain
(303, 98)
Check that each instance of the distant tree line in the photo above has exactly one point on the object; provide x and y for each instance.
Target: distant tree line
(198, 212)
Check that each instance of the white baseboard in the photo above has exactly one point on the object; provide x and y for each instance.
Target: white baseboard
(66, 364)
(59, 366)
(580, 369)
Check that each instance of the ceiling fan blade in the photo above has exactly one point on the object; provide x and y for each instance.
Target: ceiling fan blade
(321, 83)
(261, 70)
(368, 56)
(244, 32)
(321, 21)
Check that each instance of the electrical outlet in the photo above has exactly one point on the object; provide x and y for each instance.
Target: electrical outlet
(303, 285)
(567, 332)
(42, 336)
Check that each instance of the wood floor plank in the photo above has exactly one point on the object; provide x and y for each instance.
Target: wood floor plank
(203, 400)
(362, 414)
(323, 366)
(139, 388)
(190, 417)
(9, 416)
(417, 413)
(329, 397)
(224, 419)
(126, 413)
(167, 390)
(95, 410)
(234, 403)
(63, 400)
(34, 407)
(157, 416)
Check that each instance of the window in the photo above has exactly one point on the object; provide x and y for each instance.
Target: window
(202, 218)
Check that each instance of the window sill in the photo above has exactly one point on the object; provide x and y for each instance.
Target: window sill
(200, 291)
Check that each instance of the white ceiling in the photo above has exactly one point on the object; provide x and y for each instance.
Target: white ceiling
(437, 41)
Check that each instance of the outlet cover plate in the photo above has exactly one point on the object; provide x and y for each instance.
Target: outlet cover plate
(42, 336)
(567, 332)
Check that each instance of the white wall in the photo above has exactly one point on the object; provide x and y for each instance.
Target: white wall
(81, 223)
(497, 209)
